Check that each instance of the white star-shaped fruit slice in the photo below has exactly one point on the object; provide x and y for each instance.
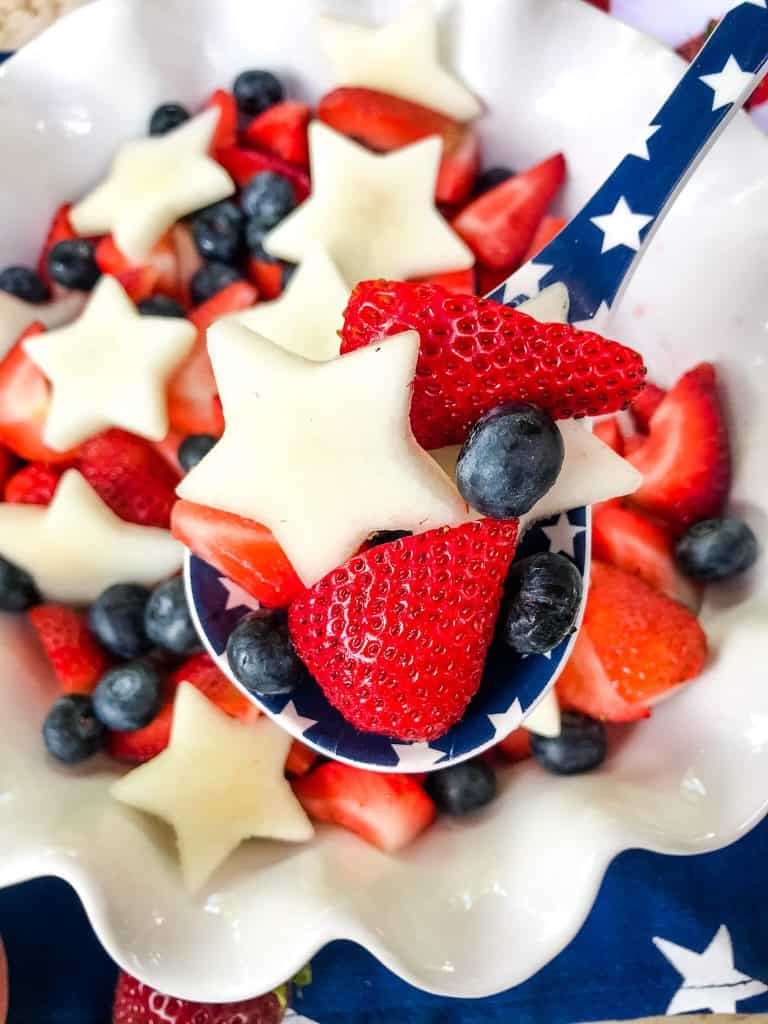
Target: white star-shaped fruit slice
(321, 453)
(77, 547)
(109, 368)
(375, 214)
(307, 317)
(16, 315)
(621, 226)
(544, 720)
(526, 280)
(728, 84)
(400, 58)
(153, 182)
(549, 306)
(218, 782)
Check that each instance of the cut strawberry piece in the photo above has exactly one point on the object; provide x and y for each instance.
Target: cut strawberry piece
(73, 652)
(137, 1003)
(61, 230)
(188, 260)
(500, 225)
(192, 387)
(489, 278)
(143, 744)
(369, 635)
(603, 5)
(388, 811)
(34, 484)
(629, 540)
(161, 261)
(139, 282)
(516, 746)
(545, 232)
(130, 476)
(7, 465)
(226, 129)
(168, 448)
(610, 433)
(635, 645)
(476, 354)
(759, 96)
(244, 551)
(632, 443)
(242, 164)
(201, 672)
(300, 759)
(267, 276)
(645, 405)
(282, 129)
(462, 282)
(686, 460)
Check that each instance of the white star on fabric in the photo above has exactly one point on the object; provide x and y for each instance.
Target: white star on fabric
(728, 84)
(640, 147)
(544, 720)
(526, 280)
(109, 368)
(399, 58)
(621, 226)
(219, 781)
(562, 535)
(291, 712)
(153, 182)
(710, 980)
(237, 597)
(416, 757)
(505, 722)
(307, 317)
(340, 445)
(77, 547)
(375, 214)
(16, 315)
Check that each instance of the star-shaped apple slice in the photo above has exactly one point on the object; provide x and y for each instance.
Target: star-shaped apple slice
(375, 214)
(77, 547)
(153, 182)
(109, 368)
(320, 453)
(400, 58)
(219, 781)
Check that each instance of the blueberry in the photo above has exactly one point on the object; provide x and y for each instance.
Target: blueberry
(211, 278)
(167, 117)
(116, 619)
(193, 448)
(24, 283)
(491, 178)
(463, 787)
(73, 264)
(716, 549)
(262, 656)
(218, 231)
(511, 457)
(267, 198)
(167, 621)
(71, 731)
(256, 90)
(386, 537)
(580, 746)
(160, 305)
(128, 696)
(17, 588)
(542, 599)
(254, 238)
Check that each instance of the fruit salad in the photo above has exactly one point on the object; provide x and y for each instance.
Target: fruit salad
(260, 337)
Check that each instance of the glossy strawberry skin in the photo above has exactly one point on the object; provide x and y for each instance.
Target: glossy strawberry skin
(137, 1003)
(76, 657)
(34, 484)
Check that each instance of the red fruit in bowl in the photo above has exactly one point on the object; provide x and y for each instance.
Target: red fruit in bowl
(282, 129)
(76, 657)
(300, 759)
(143, 744)
(645, 405)
(34, 484)
(476, 354)
(460, 281)
(397, 636)
(609, 432)
(136, 1003)
(226, 128)
(545, 232)
(201, 671)
(160, 270)
(243, 164)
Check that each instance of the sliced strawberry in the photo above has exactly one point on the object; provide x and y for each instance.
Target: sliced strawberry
(603, 5)
(143, 744)
(139, 282)
(267, 275)
(388, 811)
(201, 672)
(242, 164)
(192, 387)
(161, 261)
(300, 759)
(245, 551)
(500, 225)
(61, 230)
(188, 260)
(516, 746)
(609, 432)
(635, 645)
(7, 466)
(34, 484)
(645, 405)
(686, 460)
(629, 540)
(168, 448)
(759, 96)
(633, 442)
(226, 129)
(545, 232)
(489, 278)
(73, 652)
(462, 282)
(282, 129)
(130, 476)
(137, 1003)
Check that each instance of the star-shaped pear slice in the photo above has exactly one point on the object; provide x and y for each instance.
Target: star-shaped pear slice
(152, 183)
(400, 58)
(77, 547)
(109, 368)
(375, 214)
(321, 453)
(307, 317)
(219, 781)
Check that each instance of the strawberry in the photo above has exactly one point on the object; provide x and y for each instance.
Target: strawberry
(168, 448)
(388, 811)
(385, 122)
(139, 282)
(226, 129)
(500, 225)
(632, 542)
(282, 129)
(635, 645)
(759, 96)
(461, 282)
(489, 278)
(192, 387)
(73, 652)
(300, 759)
(686, 459)
(188, 260)
(602, 5)
(200, 671)
(61, 230)
(33, 484)
(137, 1003)
(545, 232)
(645, 405)
(242, 164)
(143, 744)
(632, 442)
(267, 276)
(137, 279)
(371, 635)
(609, 432)
(476, 354)
(516, 746)
(243, 550)
(7, 465)
(130, 476)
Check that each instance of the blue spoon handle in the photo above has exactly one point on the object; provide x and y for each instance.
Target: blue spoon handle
(596, 253)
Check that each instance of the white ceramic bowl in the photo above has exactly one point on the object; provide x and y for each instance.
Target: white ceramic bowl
(520, 877)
